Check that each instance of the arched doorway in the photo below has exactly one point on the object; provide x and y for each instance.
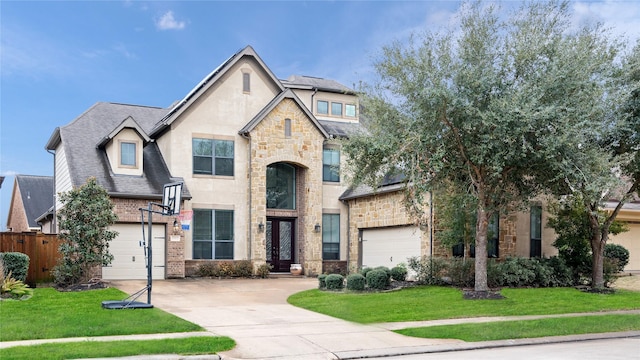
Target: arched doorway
(281, 216)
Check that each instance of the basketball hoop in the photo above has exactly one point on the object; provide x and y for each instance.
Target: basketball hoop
(171, 198)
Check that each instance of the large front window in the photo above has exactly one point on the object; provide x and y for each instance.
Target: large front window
(536, 231)
(281, 186)
(212, 234)
(213, 157)
(330, 237)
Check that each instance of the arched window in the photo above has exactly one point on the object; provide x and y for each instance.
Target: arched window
(281, 186)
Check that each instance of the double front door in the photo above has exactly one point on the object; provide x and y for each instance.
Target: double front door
(280, 235)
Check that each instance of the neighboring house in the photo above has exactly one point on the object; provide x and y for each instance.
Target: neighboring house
(260, 160)
(31, 200)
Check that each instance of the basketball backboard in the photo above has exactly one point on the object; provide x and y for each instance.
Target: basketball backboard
(171, 198)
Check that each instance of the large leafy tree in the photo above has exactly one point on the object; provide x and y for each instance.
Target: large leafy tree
(482, 106)
(84, 220)
(605, 165)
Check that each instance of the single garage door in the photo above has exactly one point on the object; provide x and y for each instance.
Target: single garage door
(390, 246)
(128, 256)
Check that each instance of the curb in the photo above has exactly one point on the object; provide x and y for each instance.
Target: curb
(416, 350)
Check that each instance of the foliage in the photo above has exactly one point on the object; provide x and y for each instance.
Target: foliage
(238, 268)
(189, 346)
(84, 219)
(264, 270)
(570, 219)
(356, 282)
(399, 273)
(504, 330)
(618, 253)
(14, 288)
(334, 282)
(447, 303)
(16, 263)
(484, 107)
(461, 272)
(386, 271)
(429, 270)
(365, 270)
(322, 284)
(377, 279)
(52, 314)
(457, 216)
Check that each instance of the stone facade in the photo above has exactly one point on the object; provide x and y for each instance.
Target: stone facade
(377, 211)
(302, 149)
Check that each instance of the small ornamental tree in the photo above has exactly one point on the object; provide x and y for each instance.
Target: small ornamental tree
(84, 220)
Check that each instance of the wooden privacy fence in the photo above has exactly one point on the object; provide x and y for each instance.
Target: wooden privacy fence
(42, 250)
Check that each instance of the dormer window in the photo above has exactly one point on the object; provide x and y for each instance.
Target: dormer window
(128, 154)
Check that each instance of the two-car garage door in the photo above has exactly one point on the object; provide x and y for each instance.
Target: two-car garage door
(129, 257)
(390, 246)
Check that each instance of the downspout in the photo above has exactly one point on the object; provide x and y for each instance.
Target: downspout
(249, 256)
(54, 226)
(315, 90)
(348, 233)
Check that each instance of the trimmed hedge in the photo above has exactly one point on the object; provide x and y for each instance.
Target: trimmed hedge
(321, 281)
(617, 253)
(399, 273)
(15, 263)
(334, 282)
(377, 279)
(356, 282)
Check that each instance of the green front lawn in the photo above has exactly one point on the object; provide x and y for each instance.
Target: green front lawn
(529, 328)
(432, 303)
(52, 314)
(91, 349)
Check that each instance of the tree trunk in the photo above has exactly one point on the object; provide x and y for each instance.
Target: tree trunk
(482, 226)
(597, 271)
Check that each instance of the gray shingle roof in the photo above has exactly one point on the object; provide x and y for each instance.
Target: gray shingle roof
(37, 195)
(310, 82)
(86, 159)
(340, 129)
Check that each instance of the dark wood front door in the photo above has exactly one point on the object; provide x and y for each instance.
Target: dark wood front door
(280, 236)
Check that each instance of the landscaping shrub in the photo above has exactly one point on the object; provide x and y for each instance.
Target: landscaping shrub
(264, 270)
(399, 273)
(517, 272)
(618, 253)
(461, 272)
(429, 270)
(386, 270)
(365, 270)
(561, 275)
(208, 269)
(377, 279)
(334, 282)
(15, 263)
(243, 268)
(321, 281)
(356, 282)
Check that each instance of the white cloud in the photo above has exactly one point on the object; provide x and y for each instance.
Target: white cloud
(168, 22)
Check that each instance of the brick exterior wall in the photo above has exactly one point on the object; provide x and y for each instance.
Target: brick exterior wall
(128, 212)
(17, 216)
(303, 149)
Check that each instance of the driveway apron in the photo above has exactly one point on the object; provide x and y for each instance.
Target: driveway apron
(255, 313)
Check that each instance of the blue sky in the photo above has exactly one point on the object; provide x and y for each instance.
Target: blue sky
(57, 58)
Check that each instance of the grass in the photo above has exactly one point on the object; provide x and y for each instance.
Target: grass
(528, 329)
(89, 349)
(432, 303)
(52, 314)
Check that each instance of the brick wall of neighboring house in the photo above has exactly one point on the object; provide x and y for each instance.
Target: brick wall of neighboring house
(303, 149)
(18, 217)
(380, 210)
(128, 212)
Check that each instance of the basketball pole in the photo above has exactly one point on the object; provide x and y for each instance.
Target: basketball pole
(149, 254)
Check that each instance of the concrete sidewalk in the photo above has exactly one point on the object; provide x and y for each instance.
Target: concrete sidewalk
(255, 313)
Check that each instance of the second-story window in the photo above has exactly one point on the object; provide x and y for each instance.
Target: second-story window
(322, 107)
(128, 153)
(336, 109)
(350, 110)
(213, 157)
(246, 82)
(331, 165)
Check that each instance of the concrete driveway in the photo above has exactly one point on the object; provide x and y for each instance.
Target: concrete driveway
(255, 313)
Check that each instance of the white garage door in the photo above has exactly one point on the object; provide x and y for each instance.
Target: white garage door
(390, 246)
(128, 256)
(631, 241)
